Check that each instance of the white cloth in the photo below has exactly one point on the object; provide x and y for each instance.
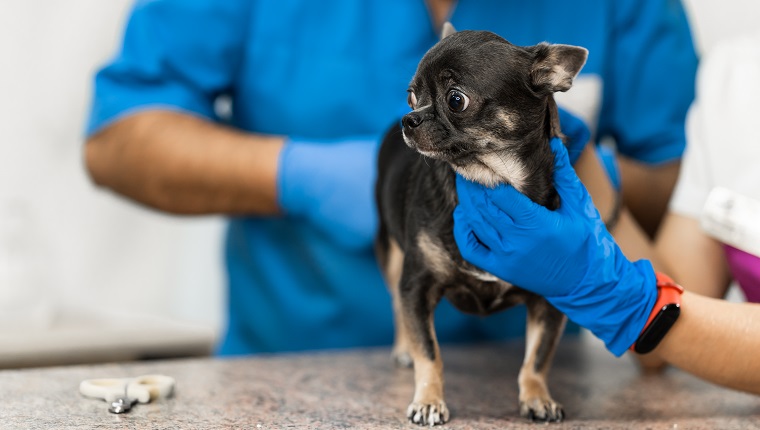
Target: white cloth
(723, 143)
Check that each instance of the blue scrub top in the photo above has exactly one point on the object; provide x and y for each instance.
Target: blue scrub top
(341, 68)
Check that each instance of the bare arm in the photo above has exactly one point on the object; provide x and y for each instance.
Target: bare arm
(692, 259)
(713, 339)
(695, 260)
(717, 341)
(182, 164)
(646, 191)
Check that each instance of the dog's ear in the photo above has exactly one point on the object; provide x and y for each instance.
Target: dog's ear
(447, 30)
(555, 66)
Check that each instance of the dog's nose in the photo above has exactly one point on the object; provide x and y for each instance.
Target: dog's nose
(411, 120)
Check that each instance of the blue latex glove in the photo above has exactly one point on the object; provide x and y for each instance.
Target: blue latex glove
(567, 255)
(578, 135)
(331, 185)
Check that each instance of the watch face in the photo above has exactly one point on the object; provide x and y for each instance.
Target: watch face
(658, 328)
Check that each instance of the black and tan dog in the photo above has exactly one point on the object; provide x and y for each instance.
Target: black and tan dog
(484, 108)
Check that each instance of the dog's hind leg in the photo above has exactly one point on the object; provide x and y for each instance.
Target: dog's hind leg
(544, 329)
(418, 299)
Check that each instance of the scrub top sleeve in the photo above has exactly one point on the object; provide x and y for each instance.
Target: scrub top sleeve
(176, 55)
(650, 79)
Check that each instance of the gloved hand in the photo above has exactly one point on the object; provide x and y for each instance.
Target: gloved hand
(331, 185)
(567, 255)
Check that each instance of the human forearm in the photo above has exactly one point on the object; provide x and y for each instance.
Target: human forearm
(186, 165)
(694, 259)
(646, 190)
(717, 341)
(584, 275)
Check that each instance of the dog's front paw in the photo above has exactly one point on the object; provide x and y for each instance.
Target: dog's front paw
(542, 409)
(428, 413)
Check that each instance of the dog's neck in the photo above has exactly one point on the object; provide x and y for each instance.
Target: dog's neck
(495, 168)
(527, 165)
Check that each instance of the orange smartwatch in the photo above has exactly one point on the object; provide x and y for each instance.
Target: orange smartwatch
(666, 310)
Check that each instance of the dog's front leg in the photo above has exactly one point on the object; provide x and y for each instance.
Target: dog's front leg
(418, 298)
(544, 329)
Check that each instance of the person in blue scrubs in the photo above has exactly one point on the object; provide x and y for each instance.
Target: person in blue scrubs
(271, 113)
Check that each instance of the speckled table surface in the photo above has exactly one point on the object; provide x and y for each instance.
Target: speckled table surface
(362, 390)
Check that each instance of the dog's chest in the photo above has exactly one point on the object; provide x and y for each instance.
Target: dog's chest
(429, 202)
(468, 288)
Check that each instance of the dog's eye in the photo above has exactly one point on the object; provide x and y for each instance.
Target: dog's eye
(411, 99)
(457, 101)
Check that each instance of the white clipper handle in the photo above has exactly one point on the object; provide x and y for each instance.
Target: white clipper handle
(150, 387)
(108, 389)
(143, 388)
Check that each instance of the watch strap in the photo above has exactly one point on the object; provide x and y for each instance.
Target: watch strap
(664, 314)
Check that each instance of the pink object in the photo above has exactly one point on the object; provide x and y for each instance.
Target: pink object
(745, 269)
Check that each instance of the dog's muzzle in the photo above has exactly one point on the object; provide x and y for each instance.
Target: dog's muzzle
(411, 120)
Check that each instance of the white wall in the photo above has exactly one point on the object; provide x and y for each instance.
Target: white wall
(64, 243)
(714, 21)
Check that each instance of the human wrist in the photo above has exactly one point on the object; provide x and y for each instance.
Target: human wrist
(329, 183)
(662, 317)
(293, 164)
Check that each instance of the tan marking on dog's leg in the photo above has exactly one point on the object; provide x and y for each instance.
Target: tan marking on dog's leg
(428, 406)
(392, 272)
(535, 401)
(436, 257)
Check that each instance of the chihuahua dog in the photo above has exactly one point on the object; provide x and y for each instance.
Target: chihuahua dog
(485, 109)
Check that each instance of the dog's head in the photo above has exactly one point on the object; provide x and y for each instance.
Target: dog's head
(476, 96)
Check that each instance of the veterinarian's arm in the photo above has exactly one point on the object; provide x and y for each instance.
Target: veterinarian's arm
(646, 190)
(583, 272)
(151, 132)
(649, 89)
(154, 132)
(716, 340)
(183, 164)
(584, 275)
(695, 260)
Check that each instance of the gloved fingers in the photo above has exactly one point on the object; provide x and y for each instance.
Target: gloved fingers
(499, 206)
(471, 194)
(571, 191)
(330, 184)
(512, 204)
(470, 246)
(486, 232)
(561, 157)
